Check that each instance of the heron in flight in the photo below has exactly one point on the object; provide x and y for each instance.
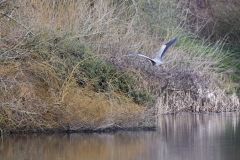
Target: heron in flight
(158, 59)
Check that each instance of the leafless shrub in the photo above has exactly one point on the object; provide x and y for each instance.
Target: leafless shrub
(213, 19)
(186, 91)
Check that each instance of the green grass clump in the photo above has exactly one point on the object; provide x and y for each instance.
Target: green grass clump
(105, 78)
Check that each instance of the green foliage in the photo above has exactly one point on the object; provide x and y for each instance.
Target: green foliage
(124, 82)
(99, 73)
(67, 52)
(64, 53)
(105, 78)
(140, 97)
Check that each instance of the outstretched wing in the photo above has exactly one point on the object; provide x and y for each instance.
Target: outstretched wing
(140, 55)
(164, 48)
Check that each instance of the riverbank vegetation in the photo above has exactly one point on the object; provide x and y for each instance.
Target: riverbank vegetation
(63, 66)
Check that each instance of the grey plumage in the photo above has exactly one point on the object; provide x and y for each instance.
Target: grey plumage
(158, 59)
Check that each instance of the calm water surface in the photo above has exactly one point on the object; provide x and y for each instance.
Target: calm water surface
(179, 137)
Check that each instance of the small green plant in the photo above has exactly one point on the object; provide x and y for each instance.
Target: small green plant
(105, 78)
(142, 97)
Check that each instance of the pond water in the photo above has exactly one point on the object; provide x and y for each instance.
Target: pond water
(179, 137)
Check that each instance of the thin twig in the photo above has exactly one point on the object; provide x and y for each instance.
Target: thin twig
(4, 14)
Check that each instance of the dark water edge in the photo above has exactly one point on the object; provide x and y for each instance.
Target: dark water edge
(113, 128)
(101, 130)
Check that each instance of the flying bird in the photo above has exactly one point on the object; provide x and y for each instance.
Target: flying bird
(158, 59)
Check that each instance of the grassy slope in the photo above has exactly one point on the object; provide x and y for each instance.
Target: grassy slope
(63, 66)
(215, 21)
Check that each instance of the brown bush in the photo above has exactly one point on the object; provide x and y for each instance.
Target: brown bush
(214, 19)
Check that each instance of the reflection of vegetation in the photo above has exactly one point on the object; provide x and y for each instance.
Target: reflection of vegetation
(231, 140)
(217, 135)
(75, 146)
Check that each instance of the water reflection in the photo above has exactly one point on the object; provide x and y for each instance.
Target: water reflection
(182, 136)
(192, 136)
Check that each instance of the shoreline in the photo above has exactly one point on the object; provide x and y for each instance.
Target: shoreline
(112, 129)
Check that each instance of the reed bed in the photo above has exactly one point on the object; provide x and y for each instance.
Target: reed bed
(63, 66)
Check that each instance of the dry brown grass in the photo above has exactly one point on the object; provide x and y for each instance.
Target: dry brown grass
(40, 64)
(33, 98)
(36, 94)
(194, 92)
